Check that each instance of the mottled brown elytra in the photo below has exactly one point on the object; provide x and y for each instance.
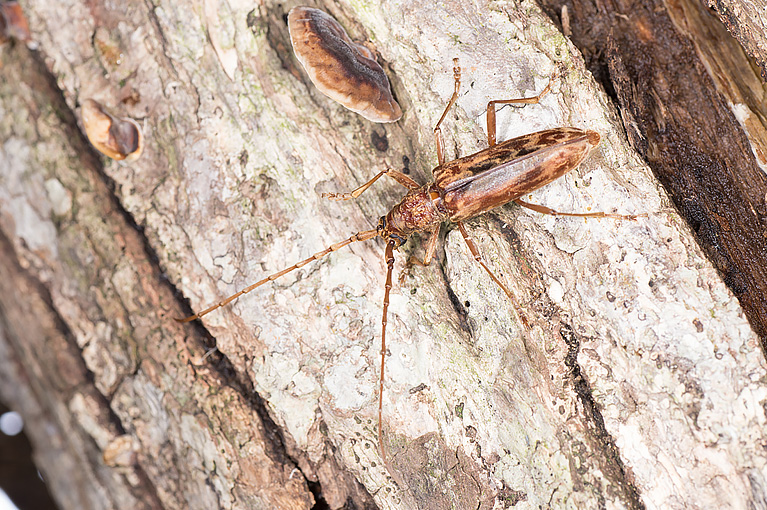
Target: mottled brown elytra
(462, 189)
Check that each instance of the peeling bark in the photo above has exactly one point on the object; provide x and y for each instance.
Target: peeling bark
(639, 382)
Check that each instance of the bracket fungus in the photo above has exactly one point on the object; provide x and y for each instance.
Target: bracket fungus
(341, 69)
(120, 139)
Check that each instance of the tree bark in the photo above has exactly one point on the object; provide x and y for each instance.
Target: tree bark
(747, 22)
(637, 384)
(693, 106)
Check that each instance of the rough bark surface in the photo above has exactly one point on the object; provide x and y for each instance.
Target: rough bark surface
(639, 382)
(695, 108)
(747, 21)
(124, 405)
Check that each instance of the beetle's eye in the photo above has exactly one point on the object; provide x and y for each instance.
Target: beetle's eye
(398, 239)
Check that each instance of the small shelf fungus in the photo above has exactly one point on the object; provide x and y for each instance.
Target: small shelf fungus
(341, 69)
(120, 139)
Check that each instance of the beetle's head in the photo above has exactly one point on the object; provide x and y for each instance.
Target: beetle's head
(389, 233)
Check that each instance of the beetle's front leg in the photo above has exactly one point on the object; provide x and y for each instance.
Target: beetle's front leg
(394, 174)
(453, 98)
(431, 247)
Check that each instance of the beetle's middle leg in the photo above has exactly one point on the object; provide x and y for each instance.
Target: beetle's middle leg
(394, 174)
(491, 110)
(546, 210)
(475, 252)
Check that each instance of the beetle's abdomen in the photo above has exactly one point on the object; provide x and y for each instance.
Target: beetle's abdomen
(503, 172)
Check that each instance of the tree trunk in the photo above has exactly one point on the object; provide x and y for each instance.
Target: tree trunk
(638, 383)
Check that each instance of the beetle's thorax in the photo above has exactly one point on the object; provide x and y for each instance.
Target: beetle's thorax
(421, 210)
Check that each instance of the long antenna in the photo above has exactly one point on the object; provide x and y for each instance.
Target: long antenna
(359, 236)
(387, 288)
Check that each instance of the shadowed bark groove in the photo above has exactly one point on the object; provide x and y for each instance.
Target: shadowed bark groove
(611, 461)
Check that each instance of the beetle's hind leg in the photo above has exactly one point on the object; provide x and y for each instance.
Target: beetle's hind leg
(491, 138)
(546, 210)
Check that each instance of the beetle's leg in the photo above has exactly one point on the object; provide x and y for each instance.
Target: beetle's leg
(545, 210)
(453, 99)
(475, 252)
(394, 174)
(491, 110)
(431, 247)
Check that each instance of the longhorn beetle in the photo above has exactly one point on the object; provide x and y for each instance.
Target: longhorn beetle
(462, 189)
